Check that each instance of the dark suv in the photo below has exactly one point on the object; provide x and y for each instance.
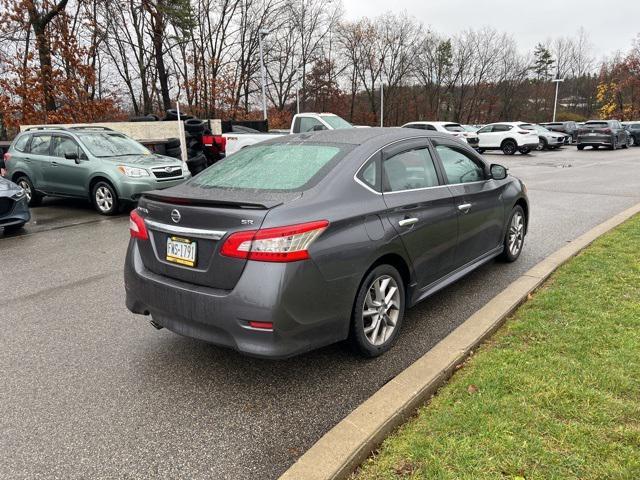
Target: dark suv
(633, 129)
(602, 133)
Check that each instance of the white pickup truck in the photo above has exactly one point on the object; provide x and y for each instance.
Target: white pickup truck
(302, 122)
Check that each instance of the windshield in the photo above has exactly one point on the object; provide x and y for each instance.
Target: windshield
(336, 122)
(538, 128)
(454, 127)
(470, 128)
(270, 167)
(111, 145)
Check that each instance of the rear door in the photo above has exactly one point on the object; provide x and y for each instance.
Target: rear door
(420, 208)
(478, 201)
(66, 176)
(38, 158)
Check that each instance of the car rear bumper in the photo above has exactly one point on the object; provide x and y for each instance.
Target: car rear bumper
(307, 312)
(16, 215)
(595, 140)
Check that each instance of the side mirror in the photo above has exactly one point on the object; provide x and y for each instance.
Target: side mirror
(318, 128)
(498, 172)
(71, 155)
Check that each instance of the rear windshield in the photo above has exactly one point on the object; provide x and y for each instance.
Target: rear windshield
(454, 127)
(278, 167)
(337, 123)
(597, 124)
(111, 145)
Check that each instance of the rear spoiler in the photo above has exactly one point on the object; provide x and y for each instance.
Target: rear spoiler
(158, 196)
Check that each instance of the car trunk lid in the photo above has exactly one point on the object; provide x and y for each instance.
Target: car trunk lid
(186, 234)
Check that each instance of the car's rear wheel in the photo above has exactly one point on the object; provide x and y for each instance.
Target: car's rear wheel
(514, 236)
(632, 141)
(580, 147)
(524, 150)
(33, 197)
(509, 147)
(378, 311)
(105, 198)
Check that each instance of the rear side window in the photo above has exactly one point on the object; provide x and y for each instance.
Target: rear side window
(501, 128)
(454, 127)
(21, 143)
(409, 170)
(459, 167)
(40, 144)
(279, 167)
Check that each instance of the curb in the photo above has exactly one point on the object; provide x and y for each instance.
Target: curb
(343, 448)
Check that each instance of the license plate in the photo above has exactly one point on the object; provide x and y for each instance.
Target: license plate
(182, 251)
(592, 134)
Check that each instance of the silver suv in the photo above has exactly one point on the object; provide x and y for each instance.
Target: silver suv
(97, 163)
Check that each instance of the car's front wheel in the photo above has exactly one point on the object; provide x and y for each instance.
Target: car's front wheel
(514, 236)
(105, 198)
(33, 197)
(13, 228)
(509, 147)
(378, 311)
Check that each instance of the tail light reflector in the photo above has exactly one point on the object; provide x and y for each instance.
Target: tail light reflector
(280, 244)
(7, 157)
(137, 228)
(261, 325)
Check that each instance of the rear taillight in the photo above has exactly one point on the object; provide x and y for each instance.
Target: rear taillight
(524, 132)
(221, 142)
(281, 244)
(607, 130)
(137, 228)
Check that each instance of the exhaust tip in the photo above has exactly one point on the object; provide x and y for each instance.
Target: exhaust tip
(155, 325)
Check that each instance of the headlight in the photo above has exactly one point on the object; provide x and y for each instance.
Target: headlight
(19, 194)
(133, 171)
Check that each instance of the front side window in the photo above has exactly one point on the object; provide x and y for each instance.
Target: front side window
(459, 167)
(307, 124)
(409, 170)
(112, 145)
(278, 167)
(61, 146)
(40, 144)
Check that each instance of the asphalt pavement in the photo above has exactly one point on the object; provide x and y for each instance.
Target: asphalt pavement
(88, 390)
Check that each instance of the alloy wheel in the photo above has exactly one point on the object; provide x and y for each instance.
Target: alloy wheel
(516, 234)
(381, 310)
(104, 198)
(26, 187)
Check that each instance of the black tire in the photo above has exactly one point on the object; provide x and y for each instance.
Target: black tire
(595, 147)
(510, 254)
(481, 151)
(194, 144)
(632, 141)
(580, 147)
(33, 197)
(357, 336)
(9, 229)
(105, 198)
(542, 144)
(152, 118)
(172, 143)
(626, 143)
(509, 147)
(524, 150)
(614, 144)
(194, 126)
(173, 152)
(197, 163)
(171, 114)
(139, 119)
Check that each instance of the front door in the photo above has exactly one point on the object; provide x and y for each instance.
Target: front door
(420, 208)
(68, 176)
(478, 201)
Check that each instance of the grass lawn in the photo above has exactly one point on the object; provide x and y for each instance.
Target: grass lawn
(555, 394)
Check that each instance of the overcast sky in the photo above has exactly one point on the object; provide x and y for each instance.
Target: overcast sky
(612, 25)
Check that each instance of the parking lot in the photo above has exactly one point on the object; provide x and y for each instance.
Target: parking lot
(91, 390)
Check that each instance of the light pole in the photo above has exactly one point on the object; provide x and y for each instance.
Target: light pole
(381, 93)
(557, 81)
(263, 33)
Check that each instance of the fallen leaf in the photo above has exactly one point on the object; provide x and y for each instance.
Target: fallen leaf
(472, 389)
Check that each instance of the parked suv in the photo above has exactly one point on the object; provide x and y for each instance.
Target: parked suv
(97, 163)
(569, 128)
(454, 129)
(602, 133)
(510, 137)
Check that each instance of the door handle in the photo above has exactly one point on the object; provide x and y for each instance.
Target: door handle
(405, 222)
(54, 164)
(464, 208)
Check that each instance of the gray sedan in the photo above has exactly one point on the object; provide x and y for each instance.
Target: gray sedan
(310, 239)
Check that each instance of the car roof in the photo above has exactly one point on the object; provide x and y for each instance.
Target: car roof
(426, 122)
